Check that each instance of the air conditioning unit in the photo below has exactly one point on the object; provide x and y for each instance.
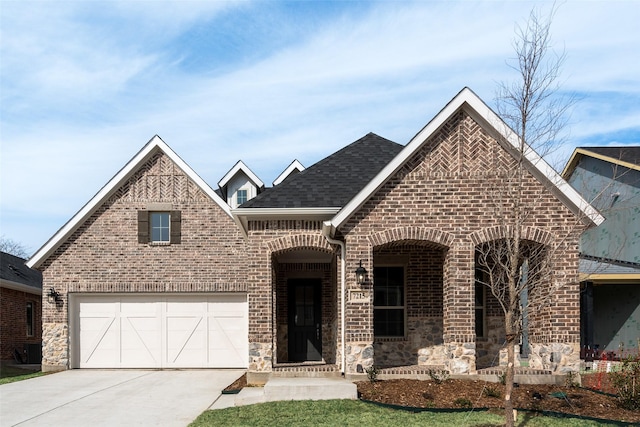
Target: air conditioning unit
(33, 353)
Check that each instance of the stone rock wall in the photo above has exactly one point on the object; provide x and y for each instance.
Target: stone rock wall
(423, 345)
(260, 357)
(559, 358)
(460, 357)
(359, 354)
(55, 347)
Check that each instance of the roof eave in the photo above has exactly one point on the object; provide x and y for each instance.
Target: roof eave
(572, 163)
(285, 174)
(240, 166)
(16, 286)
(610, 278)
(242, 216)
(584, 151)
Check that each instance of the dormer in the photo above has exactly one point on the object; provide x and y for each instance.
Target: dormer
(291, 170)
(239, 185)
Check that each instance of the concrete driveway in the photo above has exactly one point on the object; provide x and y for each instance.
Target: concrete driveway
(87, 397)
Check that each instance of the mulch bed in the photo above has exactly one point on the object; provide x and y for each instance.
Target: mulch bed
(459, 394)
(236, 386)
(480, 394)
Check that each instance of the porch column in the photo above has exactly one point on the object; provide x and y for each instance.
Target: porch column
(260, 294)
(359, 310)
(459, 310)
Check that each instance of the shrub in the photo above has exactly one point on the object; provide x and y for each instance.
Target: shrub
(571, 380)
(492, 392)
(372, 373)
(463, 402)
(626, 382)
(438, 376)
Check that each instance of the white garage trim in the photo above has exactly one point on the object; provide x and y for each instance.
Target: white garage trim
(159, 330)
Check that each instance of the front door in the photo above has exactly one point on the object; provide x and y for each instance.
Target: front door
(305, 331)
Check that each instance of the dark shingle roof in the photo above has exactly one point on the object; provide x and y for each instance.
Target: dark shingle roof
(629, 154)
(334, 180)
(13, 269)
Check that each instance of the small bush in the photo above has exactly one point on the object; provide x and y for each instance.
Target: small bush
(571, 380)
(626, 382)
(463, 402)
(438, 376)
(372, 373)
(502, 378)
(492, 392)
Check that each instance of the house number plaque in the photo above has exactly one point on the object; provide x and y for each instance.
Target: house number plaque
(358, 296)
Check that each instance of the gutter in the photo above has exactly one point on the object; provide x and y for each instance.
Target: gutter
(9, 284)
(326, 232)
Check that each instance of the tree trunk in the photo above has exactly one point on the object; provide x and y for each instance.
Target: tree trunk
(509, 376)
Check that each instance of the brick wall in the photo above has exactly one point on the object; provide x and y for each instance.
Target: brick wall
(267, 240)
(455, 186)
(103, 255)
(13, 321)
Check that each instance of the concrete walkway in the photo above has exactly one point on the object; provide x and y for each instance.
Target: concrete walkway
(113, 397)
(290, 389)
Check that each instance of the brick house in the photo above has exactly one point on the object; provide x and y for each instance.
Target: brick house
(20, 310)
(159, 270)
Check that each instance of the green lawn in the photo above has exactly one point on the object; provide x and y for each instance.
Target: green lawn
(356, 413)
(9, 374)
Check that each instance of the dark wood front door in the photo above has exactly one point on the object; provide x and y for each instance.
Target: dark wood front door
(305, 323)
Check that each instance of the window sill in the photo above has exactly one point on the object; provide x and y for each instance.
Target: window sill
(159, 243)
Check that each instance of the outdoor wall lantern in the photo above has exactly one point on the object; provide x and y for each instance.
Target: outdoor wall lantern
(54, 296)
(361, 274)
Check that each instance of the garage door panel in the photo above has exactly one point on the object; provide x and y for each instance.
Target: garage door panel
(228, 337)
(102, 342)
(140, 341)
(155, 331)
(186, 341)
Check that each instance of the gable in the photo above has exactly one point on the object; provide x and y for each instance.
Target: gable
(159, 179)
(113, 247)
(454, 183)
(160, 183)
(294, 168)
(492, 125)
(461, 146)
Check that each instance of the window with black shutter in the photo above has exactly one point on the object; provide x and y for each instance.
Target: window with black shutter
(159, 227)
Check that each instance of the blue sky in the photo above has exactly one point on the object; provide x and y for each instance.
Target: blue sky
(85, 84)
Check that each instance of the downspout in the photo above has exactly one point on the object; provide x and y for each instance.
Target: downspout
(326, 232)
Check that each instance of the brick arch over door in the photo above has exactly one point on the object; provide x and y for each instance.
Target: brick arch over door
(411, 234)
(532, 234)
(299, 241)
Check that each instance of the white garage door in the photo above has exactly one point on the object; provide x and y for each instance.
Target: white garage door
(159, 331)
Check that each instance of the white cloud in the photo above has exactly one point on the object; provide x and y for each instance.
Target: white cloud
(86, 84)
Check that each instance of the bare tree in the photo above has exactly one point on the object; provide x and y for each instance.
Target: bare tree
(515, 268)
(12, 247)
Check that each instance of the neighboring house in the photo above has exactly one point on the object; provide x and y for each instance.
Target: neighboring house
(157, 270)
(20, 310)
(609, 177)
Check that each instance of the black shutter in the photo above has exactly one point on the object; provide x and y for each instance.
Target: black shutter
(143, 226)
(176, 228)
